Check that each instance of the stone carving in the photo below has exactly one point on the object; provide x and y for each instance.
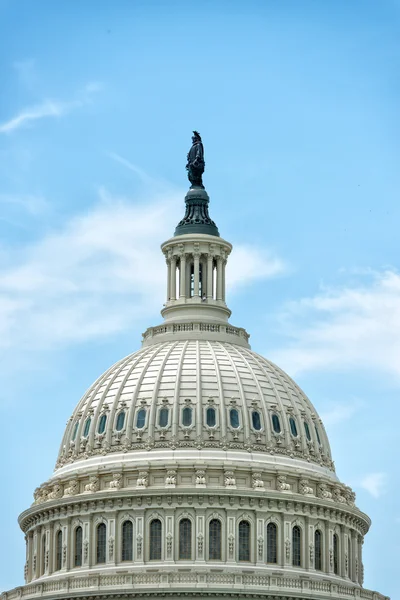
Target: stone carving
(85, 550)
(169, 545)
(46, 560)
(195, 161)
(34, 563)
(111, 547)
(346, 562)
(229, 479)
(258, 483)
(170, 478)
(139, 545)
(56, 492)
(143, 479)
(200, 542)
(200, 477)
(64, 555)
(231, 545)
(281, 484)
(304, 487)
(287, 548)
(116, 483)
(323, 492)
(338, 496)
(356, 565)
(41, 494)
(311, 552)
(93, 485)
(349, 495)
(331, 557)
(260, 547)
(72, 488)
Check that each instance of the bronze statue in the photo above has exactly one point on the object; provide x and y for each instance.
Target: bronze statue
(195, 161)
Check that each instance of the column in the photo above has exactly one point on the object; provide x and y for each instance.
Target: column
(173, 279)
(209, 277)
(196, 275)
(219, 278)
(223, 279)
(168, 279)
(182, 277)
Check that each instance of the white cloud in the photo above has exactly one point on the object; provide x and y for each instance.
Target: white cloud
(34, 205)
(349, 327)
(374, 483)
(96, 276)
(50, 108)
(251, 263)
(339, 413)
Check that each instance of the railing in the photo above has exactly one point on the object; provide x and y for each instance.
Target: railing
(195, 326)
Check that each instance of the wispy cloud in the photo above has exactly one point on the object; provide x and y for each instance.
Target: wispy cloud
(32, 204)
(50, 108)
(356, 326)
(340, 412)
(374, 483)
(251, 263)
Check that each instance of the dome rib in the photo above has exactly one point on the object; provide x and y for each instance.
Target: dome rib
(154, 405)
(177, 392)
(221, 392)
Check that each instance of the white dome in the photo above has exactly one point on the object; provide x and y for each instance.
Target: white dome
(140, 402)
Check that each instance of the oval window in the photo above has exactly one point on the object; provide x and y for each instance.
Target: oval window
(276, 423)
(187, 416)
(307, 430)
(75, 431)
(317, 433)
(234, 418)
(120, 421)
(293, 427)
(141, 418)
(256, 420)
(163, 417)
(211, 417)
(102, 424)
(86, 428)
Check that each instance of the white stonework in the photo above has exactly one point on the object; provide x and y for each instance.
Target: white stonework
(194, 467)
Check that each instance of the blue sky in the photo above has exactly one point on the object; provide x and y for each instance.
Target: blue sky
(297, 103)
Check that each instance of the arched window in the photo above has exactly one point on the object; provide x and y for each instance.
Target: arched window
(141, 418)
(43, 565)
(234, 418)
(163, 417)
(75, 431)
(276, 423)
(155, 539)
(78, 547)
(58, 550)
(296, 546)
(120, 421)
(317, 434)
(214, 531)
(127, 541)
(185, 539)
(318, 550)
(86, 429)
(187, 416)
(244, 540)
(210, 415)
(307, 430)
(293, 427)
(101, 544)
(335, 554)
(256, 420)
(102, 424)
(272, 536)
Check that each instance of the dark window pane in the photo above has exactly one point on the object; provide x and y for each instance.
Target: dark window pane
(271, 543)
(307, 430)
(185, 539)
(75, 431)
(335, 554)
(293, 426)
(318, 550)
(296, 543)
(43, 565)
(244, 540)
(256, 419)
(211, 417)
(155, 539)
(187, 416)
(101, 544)
(163, 417)
(127, 541)
(102, 424)
(58, 550)
(317, 433)
(86, 428)
(349, 557)
(141, 418)
(234, 418)
(214, 528)
(78, 547)
(120, 421)
(276, 423)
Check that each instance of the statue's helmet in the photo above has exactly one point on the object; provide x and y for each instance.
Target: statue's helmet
(196, 135)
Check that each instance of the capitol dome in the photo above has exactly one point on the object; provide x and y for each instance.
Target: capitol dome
(194, 466)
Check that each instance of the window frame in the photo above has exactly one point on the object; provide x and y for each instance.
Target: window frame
(209, 557)
(299, 553)
(77, 554)
(126, 545)
(273, 525)
(273, 417)
(101, 550)
(241, 523)
(189, 543)
(152, 546)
